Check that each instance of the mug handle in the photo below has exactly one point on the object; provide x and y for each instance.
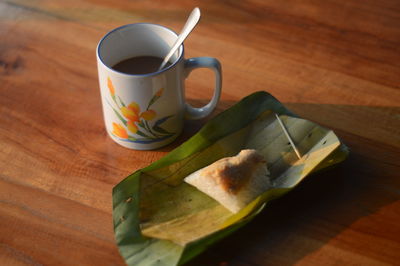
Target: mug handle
(213, 64)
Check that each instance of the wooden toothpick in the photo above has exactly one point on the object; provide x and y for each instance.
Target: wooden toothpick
(288, 136)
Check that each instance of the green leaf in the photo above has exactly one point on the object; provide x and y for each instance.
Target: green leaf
(118, 115)
(120, 100)
(131, 138)
(140, 133)
(147, 127)
(115, 100)
(152, 101)
(162, 120)
(141, 124)
(161, 130)
(168, 222)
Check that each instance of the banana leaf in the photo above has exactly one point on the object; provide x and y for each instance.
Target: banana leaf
(161, 220)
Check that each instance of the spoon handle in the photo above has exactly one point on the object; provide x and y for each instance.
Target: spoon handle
(189, 25)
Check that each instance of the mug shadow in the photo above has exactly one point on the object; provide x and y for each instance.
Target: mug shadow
(191, 127)
(317, 210)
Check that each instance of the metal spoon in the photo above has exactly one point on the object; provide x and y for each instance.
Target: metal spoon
(190, 24)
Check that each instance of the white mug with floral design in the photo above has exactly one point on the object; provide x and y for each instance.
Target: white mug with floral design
(146, 111)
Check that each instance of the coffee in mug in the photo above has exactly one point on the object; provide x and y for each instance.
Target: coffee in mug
(139, 65)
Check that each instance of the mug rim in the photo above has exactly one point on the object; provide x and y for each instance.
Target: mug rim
(181, 48)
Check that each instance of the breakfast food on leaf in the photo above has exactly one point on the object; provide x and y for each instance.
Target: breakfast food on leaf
(233, 181)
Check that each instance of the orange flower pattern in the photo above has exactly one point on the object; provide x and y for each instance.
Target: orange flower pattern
(159, 92)
(142, 124)
(110, 87)
(132, 127)
(119, 131)
(148, 115)
(130, 113)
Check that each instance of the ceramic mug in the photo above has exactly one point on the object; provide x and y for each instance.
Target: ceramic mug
(147, 111)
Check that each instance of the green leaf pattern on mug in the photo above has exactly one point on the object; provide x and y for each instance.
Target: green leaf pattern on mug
(138, 127)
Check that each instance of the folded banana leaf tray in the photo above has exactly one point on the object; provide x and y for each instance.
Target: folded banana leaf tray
(161, 220)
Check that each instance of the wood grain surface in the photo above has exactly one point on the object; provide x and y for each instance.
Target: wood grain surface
(333, 62)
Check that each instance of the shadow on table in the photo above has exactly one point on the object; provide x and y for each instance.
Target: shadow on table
(191, 127)
(321, 207)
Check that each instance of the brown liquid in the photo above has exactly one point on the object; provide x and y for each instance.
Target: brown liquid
(139, 65)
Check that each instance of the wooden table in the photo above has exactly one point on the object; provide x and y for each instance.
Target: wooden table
(333, 62)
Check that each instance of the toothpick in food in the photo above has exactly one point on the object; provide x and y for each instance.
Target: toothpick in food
(288, 136)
